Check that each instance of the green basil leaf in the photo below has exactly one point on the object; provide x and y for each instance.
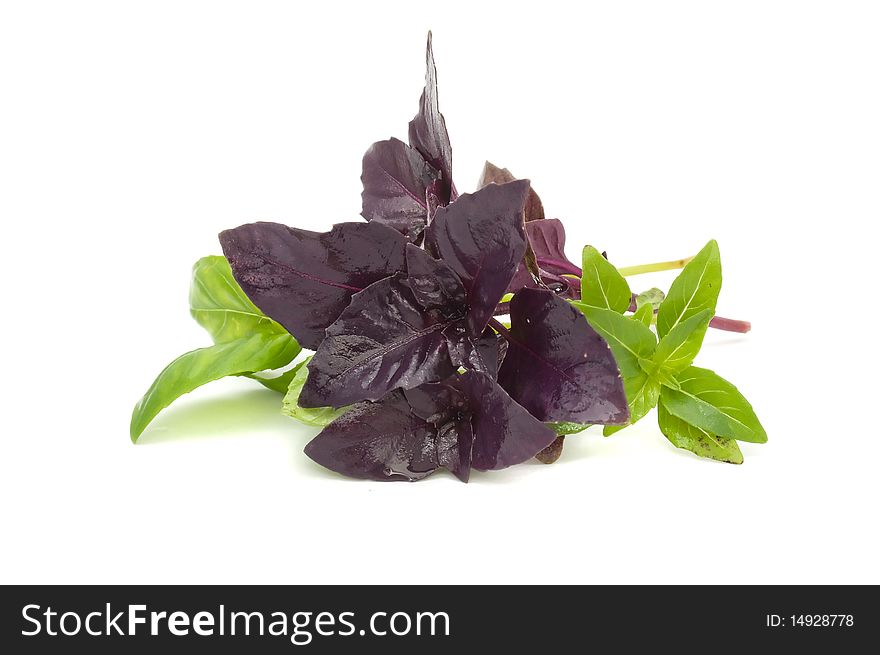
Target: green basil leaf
(694, 290)
(563, 429)
(677, 350)
(219, 305)
(711, 403)
(642, 392)
(630, 340)
(279, 383)
(317, 416)
(652, 297)
(601, 283)
(700, 442)
(644, 315)
(257, 352)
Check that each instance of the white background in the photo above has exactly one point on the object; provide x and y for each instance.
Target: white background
(131, 133)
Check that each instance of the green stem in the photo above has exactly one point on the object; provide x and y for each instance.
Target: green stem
(653, 268)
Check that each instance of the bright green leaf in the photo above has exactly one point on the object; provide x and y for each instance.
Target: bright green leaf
(644, 315)
(279, 383)
(601, 283)
(257, 352)
(630, 340)
(220, 306)
(563, 428)
(694, 290)
(677, 350)
(642, 392)
(689, 437)
(652, 297)
(711, 403)
(317, 416)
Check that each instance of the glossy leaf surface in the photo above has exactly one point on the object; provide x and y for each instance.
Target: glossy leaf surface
(396, 179)
(317, 416)
(492, 174)
(481, 237)
(382, 341)
(557, 366)
(465, 421)
(505, 433)
(284, 270)
(427, 131)
(375, 441)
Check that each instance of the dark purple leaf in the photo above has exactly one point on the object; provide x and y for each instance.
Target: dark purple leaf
(534, 208)
(504, 432)
(487, 353)
(528, 274)
(481, 237)
(465, 420)
(434, 284)
(446, 409)
(564, 287)
(377, 441)
(416, 328)
(547, 240)
(396, 179)
(427, 131)
(547, 237)
(557, 366)
(305, 279)
(383, 340)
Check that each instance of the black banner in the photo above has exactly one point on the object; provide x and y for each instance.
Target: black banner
(429, 619)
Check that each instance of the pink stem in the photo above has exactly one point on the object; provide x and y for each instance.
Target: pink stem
(730, 324)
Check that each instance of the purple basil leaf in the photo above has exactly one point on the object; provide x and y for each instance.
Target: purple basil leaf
(463, 421)
(404, 436)
(427, 131)
(547, 240)
(304, 279)
(448, 410)
(487, 353)
(377, 441)
(382, 341)
(528, 274)
(481, 237)
(396, 179)
(432, 197)
(564, 287)
(454, 445)
(437, 403)
(434, 284)
(557, 366)
(534, 208)
(504, 432)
